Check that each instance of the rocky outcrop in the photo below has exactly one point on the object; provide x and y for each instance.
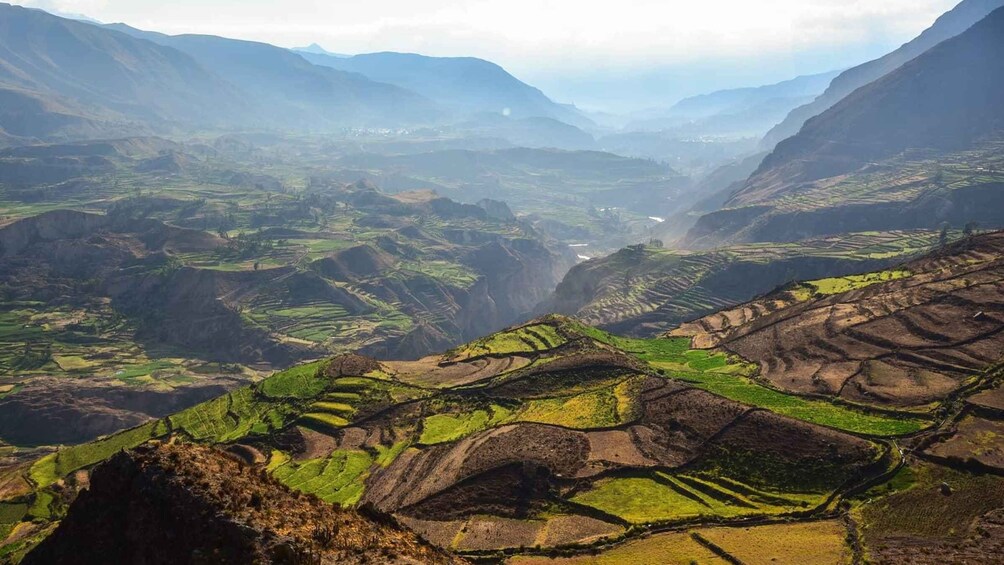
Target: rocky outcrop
(187, 504)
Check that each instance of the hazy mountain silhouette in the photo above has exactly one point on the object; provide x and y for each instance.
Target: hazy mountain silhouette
(294, 90)
(466, 83)
(60, 75)
(945, 99)
(949, 25)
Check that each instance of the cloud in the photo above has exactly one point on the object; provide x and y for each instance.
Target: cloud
(551, 41)
(562, 32)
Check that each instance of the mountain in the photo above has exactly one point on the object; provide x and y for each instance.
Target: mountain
(919, 330)
(916, 148)
(644, 290)
(296, 92)
(874, 396)
(740, 111)
(468, 84)
(315, 49)
(64, 77)
(949, 25)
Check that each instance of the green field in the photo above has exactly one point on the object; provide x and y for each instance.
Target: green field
(443, 428)
(529, 339)
(666, 498)
(839, 285)
(859, 421)
(51, 468)
(337, 479)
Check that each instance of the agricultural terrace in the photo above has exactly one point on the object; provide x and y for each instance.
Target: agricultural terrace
(531, 339)
(666, 287)
(731, 378)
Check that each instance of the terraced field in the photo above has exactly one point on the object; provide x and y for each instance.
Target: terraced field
(644, 290)
(903, 343)
(557, 439)
(915, 190)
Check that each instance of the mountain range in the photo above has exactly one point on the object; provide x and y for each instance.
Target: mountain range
(916, 148)
(68, 79)
(467, 84)
(952, 23)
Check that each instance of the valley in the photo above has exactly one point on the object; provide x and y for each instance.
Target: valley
(264, 304)
(603, 438)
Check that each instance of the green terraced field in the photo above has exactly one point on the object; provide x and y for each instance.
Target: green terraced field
(603, 408)
(668, 498)
(839, 285)
(301, 381)
(531, 339)
(841, 417)
(443, 428)
(231, 417)
(51, 468)
(337, 479)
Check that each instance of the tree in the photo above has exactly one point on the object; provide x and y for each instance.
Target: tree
(943, 236)
(657, 243)
(970, 229)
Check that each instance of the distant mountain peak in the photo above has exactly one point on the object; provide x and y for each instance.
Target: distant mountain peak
(316, 49)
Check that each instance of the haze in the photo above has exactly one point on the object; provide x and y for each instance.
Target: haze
(643, 53)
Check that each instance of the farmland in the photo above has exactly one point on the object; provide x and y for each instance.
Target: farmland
(580, 441)
(643, 290)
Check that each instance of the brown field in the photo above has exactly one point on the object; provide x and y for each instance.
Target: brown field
(492, 533)
(976, 438)
(922, 524)
(809, 543)
(899, 343)
(661, 549)
(993, 399)
(428, 372)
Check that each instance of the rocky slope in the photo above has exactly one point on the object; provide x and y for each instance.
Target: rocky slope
(906, 151)
(906, 342)
(643, 291)
(951, 24)
(189, 504)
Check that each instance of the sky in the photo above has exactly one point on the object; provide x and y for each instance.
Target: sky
(616, 56)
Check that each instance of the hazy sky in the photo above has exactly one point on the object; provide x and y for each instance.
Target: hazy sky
(557, 44)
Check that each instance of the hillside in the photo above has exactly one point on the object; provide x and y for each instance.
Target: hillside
(644, 290)
(295, 93)
(467, 84)
(916, 148)
(951, 24)
(166, 298)
(737, 112)
(562, 436)
(905, 337)
(62, 77)
(173, 503)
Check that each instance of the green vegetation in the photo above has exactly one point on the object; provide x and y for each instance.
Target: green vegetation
(11, 514)
(840, 285)
(528, 339)
(301, 381)
(51, 468)
(387, 455)
(232, 417)
(443, 428)
(860, 421)
(595, 409)
(666, 498)
(339, 479)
